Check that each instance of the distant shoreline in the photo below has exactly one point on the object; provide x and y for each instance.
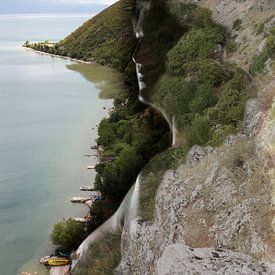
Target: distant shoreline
(59, 56)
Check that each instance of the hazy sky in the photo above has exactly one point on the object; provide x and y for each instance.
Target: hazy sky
(32, 6)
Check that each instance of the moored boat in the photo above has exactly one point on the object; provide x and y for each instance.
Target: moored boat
(56, 261)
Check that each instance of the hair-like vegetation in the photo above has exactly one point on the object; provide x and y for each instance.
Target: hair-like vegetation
(259, 61)
(204, 95)
(102, 257)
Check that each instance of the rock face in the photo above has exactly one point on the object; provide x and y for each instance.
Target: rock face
(214, 214)
(218, 199)
(250, 13)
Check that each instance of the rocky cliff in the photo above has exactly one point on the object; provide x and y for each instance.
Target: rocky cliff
(215, 212)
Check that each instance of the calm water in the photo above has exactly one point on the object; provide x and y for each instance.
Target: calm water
(47, 112)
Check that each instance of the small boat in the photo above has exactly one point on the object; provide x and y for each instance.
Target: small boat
(87, 155)
(94, 147)
(96, 197)
(86, 188)
(56, 261)
(79, 199)
(81, 220)
(90, 167)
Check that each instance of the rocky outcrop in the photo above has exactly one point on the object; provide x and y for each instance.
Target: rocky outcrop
(221, 199)
(215, 213)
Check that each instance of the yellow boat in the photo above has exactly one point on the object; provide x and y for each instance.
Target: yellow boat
(55, 261)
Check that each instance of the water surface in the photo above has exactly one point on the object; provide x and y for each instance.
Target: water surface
(47, 113)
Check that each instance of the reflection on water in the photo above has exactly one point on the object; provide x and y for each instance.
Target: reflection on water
(108, 81)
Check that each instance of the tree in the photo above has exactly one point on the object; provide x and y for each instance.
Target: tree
(68, 233)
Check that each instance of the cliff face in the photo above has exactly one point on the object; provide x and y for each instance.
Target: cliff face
(215, 213)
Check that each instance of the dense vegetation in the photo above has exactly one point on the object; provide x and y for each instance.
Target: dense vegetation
(107, 38)
(133, 133)
(68, 234)
(205, 95)
(186, 76)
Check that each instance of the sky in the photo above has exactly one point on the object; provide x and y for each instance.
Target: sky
(40, 6)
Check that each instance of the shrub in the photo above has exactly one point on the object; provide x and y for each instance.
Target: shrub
(204, 98)
(118, 176)
(199, 132)
(260, 28)
(198, 43)
(174, 93)
(219, 134)
(237, 24)
(231, 103)
(208, 71)
(68, 233)
(230, 46)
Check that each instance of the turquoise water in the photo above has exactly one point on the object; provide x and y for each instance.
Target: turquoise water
(46, 117)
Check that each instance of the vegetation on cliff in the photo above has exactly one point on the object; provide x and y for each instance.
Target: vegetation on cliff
(196, 88)
(259, 61)
(187, 77)
(107, 38)
(133, 133)
(103, 257)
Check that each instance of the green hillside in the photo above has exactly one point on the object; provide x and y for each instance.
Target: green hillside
(107, 38)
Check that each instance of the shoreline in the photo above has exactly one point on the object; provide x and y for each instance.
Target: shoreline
(61, 270)
(59, 56)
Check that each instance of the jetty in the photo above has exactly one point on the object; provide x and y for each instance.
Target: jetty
(79, 199)
(87, 188)
(89, 203)
(80, 220)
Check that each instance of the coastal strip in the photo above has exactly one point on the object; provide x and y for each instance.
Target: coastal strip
(59, 56)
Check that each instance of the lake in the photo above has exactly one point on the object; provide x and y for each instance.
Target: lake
(48, 109)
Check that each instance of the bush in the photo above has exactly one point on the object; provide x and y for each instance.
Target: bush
(231, 103)
(260, 28)
(198, 43)
(117, 177)
(204, 99)
(237, 24)
(173, 94)
(68, 234)
(208, 71)
(199, 132)
(230, 46)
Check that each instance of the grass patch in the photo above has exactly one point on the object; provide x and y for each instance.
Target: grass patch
(103, 256)
(231, 46)
(151, 178)
(258, 61)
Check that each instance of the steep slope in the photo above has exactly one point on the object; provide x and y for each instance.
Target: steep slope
(214, 212)
(204, 206)
(107, 38)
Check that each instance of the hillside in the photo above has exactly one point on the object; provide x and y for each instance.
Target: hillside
(204, 206)
(106, 38)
